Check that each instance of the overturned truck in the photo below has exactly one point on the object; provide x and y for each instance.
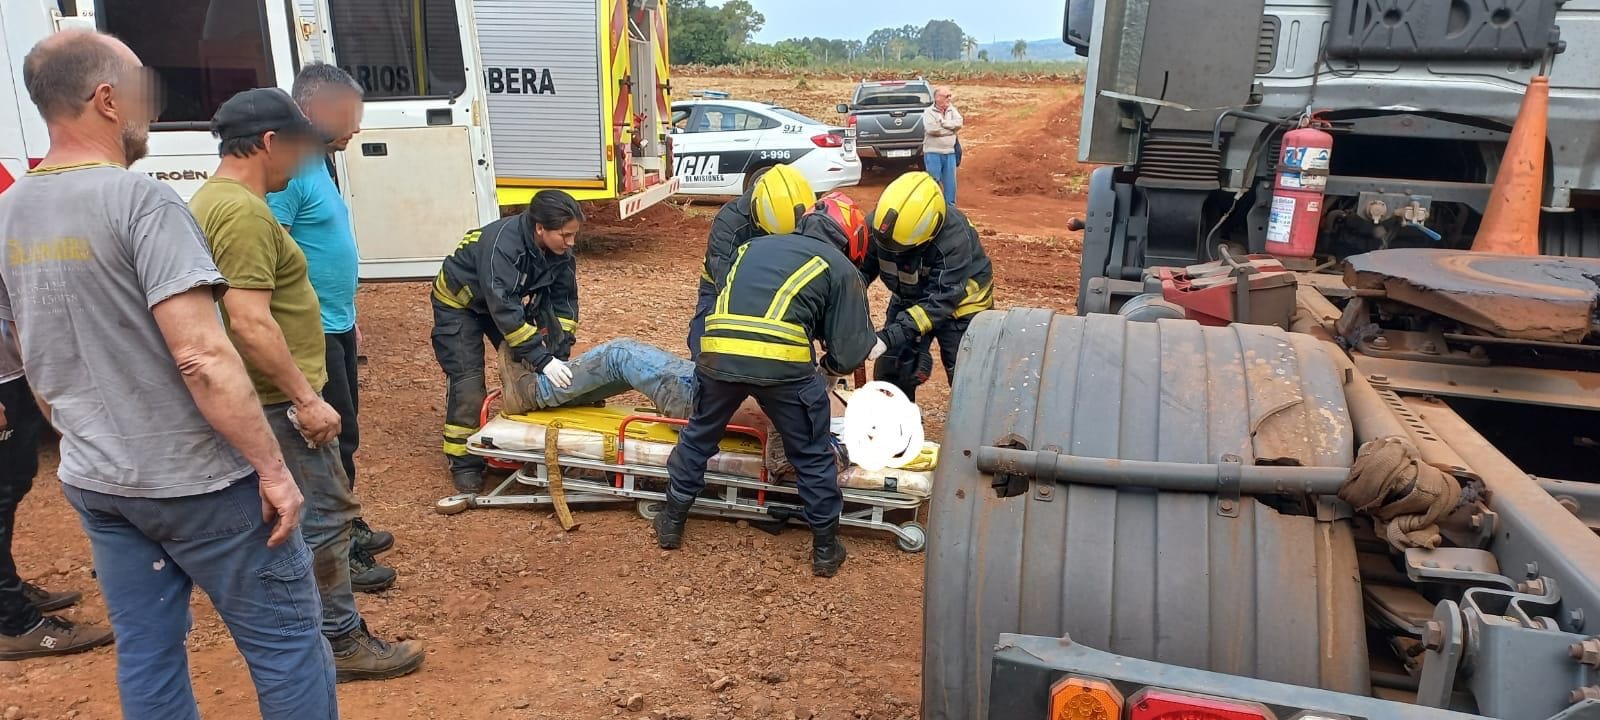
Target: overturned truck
(1380, 505)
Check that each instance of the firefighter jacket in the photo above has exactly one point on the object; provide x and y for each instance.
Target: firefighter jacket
(947, 278)
(783, 294)
(732, 228)
(529, 293)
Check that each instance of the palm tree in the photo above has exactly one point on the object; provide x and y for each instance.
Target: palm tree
(1019, 49)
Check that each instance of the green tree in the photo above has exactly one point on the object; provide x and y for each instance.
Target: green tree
(710, 35)
(741, 20)
(983, 56)
(1019, 49)
(969, 45)
(941, 40)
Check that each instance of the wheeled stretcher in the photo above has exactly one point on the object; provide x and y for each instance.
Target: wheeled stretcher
(613, 454)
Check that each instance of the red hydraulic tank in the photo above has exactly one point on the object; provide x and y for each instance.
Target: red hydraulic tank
(1297, 196)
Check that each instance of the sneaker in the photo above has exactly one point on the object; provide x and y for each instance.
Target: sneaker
(47, 601)
(360, 656)
(366, 575)
(53, 636)
(372, 541)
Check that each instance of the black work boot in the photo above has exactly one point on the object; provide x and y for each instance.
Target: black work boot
(366, 575)
(468, 480)
(373, 541)
(669, 523)
(360, 656)
(827, 550)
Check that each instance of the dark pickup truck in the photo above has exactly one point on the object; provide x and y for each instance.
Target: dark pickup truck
(887, 117)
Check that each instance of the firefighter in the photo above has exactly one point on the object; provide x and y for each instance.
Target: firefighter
(480, 293)
(773, 207)
(929, 257)
(782, 294)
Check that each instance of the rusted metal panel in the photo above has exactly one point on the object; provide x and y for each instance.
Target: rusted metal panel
(1534, 386)
(1164, 575)
(1531, 297)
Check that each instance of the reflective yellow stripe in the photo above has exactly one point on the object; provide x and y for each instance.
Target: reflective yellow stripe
(791, 287)
(727, 286)
(979, 298)
(458, 432)
(747, 323)
(522, 334)
(756, 349)
(441, 291)
(706, 275)
(920, 317)
(568, 324)
(455, 449)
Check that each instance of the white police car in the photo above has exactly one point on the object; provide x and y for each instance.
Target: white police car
(720, 146)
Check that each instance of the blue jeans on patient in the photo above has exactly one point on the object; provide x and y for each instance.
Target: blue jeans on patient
(148, 555)
(942, 166)
(613, 368)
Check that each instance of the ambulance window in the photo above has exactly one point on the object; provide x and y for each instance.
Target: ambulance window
(396, 52)
(203, 52)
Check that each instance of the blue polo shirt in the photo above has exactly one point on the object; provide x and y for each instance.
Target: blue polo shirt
(315, 213)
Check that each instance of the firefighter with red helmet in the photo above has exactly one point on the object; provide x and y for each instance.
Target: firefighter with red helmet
(781, 296)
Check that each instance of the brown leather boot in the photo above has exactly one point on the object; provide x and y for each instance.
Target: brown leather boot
(513, 375)
(360, 656)
(53, 636)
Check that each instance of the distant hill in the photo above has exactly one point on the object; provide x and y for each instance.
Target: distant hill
(1046, 49)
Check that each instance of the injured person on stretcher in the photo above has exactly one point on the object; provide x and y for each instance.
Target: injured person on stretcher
(625, 364)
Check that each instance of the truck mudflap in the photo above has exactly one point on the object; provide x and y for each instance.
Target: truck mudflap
(1028, 669)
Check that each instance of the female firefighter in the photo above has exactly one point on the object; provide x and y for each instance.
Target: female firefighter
(480, 293)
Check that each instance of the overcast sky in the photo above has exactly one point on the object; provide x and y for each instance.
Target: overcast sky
(987, 20)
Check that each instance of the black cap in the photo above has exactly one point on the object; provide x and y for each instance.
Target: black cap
(254, 112)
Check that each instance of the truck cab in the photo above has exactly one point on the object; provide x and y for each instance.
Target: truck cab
(887, 118)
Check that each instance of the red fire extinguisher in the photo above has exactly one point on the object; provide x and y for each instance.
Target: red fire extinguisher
(1297, 196)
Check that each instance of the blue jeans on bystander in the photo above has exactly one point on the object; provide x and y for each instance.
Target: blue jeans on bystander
(942, 166)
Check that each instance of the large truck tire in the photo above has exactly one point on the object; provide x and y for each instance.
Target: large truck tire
(1163, 576)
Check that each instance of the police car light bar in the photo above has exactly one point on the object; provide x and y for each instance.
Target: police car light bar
(711, 94)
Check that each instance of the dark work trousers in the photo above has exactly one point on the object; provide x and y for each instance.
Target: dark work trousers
(799, 411)
(19, 460)
(344, 395)
(697, 325)
(458, 344)
(910, 366)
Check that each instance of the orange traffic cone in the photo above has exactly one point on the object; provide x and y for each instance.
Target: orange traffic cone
(1511, 221)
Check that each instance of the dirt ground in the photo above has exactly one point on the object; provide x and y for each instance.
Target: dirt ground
(523, 620)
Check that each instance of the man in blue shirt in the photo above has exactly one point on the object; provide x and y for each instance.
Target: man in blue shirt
(315, 215)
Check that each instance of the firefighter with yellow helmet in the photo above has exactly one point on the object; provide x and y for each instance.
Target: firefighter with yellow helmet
(929, 257)
(772, 207)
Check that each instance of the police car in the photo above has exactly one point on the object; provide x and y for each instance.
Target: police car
(720, 146)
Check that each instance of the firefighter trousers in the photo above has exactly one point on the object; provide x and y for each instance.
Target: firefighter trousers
(458, 337)
(799, 411)
(912, 364)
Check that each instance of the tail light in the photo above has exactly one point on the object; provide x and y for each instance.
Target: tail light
(1157, 704)
(827, 140)
(1073, 698)
(851, 121)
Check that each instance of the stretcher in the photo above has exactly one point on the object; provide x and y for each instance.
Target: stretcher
(616, 455)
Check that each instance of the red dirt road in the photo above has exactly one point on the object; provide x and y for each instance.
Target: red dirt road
(523, 620)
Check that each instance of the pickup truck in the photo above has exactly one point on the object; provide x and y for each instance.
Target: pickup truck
(887, 117)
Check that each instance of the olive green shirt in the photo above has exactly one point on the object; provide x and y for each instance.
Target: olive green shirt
(254, 252)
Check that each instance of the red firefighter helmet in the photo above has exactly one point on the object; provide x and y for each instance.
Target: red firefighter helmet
(850, 219)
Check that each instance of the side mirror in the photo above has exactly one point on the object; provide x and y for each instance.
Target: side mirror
(1076, 29)
(842, 109)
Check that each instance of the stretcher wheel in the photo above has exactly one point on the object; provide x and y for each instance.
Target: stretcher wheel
(649, 509)
(453, 505)
(918, 540)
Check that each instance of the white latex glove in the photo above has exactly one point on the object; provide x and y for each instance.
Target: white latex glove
(878, 349)
(558, 373)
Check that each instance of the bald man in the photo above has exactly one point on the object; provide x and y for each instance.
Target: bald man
(165, 453)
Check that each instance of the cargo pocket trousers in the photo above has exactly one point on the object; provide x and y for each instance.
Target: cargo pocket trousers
(458, 337)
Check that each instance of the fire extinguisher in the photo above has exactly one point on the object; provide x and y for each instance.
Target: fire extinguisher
(1297, 196)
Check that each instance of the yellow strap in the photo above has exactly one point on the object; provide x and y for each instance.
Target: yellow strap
(756, 349)
(521, 334)
(552, 467)
(455, 449)
(920, 317)
(752, 324)
(568, 324)
(727, 286)
(792, 287)
(458, 432)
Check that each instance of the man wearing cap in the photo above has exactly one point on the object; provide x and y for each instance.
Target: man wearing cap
(272, 314)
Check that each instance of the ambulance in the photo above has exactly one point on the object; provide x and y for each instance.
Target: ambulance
(472, 106)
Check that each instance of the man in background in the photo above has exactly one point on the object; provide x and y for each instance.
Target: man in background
(941, 125)
(314, 213)
(273, 317)
(165, 455)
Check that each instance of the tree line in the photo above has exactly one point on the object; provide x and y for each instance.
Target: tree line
(720, 35)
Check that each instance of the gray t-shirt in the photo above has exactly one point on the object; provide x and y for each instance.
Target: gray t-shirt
(89, 250)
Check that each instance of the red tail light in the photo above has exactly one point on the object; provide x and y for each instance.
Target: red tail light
(828, 140)
(1156, 704)
(851, 121)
